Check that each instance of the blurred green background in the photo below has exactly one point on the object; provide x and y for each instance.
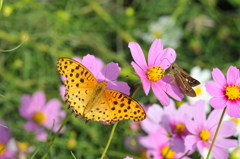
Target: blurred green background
(210, 36)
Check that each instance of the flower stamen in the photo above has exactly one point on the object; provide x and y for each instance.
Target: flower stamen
(2, 149)
(204, 135)
(155, 73)
(167, 152)
(232, 92)
(39, 117)
(179, 128)
(157, 34)
(198, 90)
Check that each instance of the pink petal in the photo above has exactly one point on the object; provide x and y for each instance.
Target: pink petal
(109, 72)
(218, 102)
(213, 118)
(225, 143)
(219, 153)
(89, 62)
(170, 87)
(201, 145)
(38, 101)
(232, 75)
(119, 86)
(191, 141)
(41, 135)
(233, 109)
(227, 129)
(51, 113)
(146, 84)
(160, 94)
(166, 58)
(5, 133)
(171, 109)
(214, 89)
(177, 144)
(138, 55)
(138, 70)
(185, 108)
(199, 114)
(98, 64)
(219, 77)
(63, 78)
(31, 126)
(149, 126)
(191, 126)
(25, 110)
(78, 59)
(144, 141)
(155, 113)
(62, 90)
(155, 49)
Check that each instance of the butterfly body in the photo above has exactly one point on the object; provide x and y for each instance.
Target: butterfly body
(183, 80)
(92, 100)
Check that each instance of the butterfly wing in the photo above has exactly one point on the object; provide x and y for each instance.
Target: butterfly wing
(190, 80)
(184, 87)
(79, 84)
(116, 106)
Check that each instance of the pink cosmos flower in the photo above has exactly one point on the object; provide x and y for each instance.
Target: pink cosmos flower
(173, 122)
(203, 131)
(158, 147)
(151, 75)
(225, 91)
(128, 157)
(109, 73)
(7, 144)
(41, 114)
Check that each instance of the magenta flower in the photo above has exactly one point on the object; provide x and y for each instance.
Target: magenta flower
(173, 122)
(158, 147)
(226, 91)
(41, 114)
(152, 75)
(7, 144)
(109, 73)
(203, 131)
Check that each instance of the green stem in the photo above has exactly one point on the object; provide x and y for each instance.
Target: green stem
(135, 92)
(215, 135)
(56, 134)
(109, 140)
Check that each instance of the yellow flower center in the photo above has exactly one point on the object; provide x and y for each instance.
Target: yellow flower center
(155, 73)
(133, 142)
(179, 128)
(157, 34)
(232, 92)
(2, 149)
(198, 90)
(22, 146)
(236, 121)
(39, 117)
(71, 143)
(167, 152)
(204, 135)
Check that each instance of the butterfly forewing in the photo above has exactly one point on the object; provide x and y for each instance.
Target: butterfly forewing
(191, 81)
(86, 97)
